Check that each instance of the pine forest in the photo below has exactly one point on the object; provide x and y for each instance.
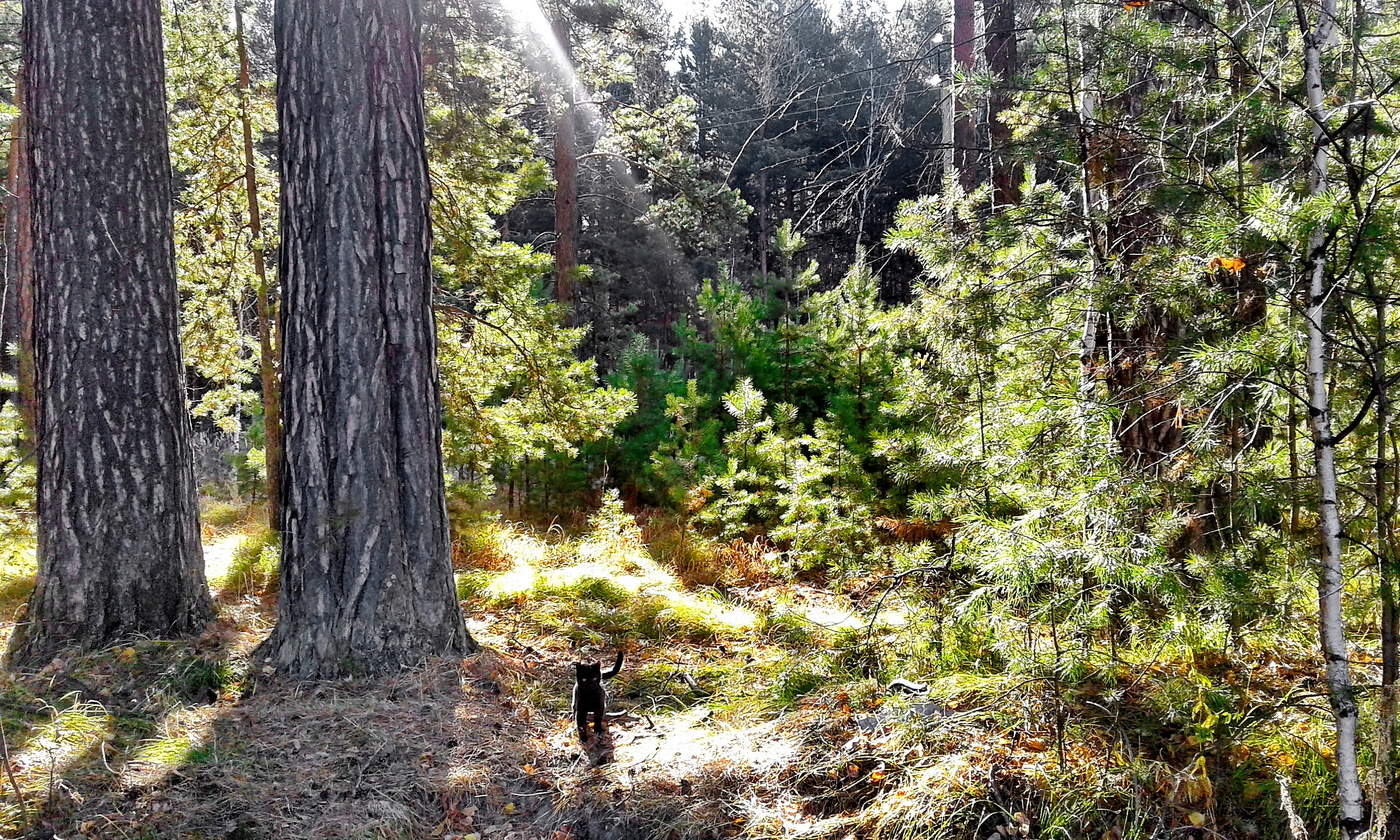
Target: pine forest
(699, 419)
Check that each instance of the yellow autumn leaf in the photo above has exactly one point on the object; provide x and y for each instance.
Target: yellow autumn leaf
(1234, 265)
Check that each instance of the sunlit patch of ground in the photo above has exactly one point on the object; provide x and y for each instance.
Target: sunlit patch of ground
(55, 746)
(691, 738)
(183, 737)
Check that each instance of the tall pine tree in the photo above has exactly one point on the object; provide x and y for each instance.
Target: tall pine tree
(366, 576)
(119, 550)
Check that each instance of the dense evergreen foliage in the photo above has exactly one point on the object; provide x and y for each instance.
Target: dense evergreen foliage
(1103, 401)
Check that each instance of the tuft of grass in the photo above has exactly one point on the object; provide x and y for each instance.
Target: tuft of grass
(168, 751)
(255, 565)
(480, 545)
(219, 516)
(798, 680)
(69, 736)
(686, 619)
(787, 628)
(472, 586)
(204, 679)
(17, 569)
(695, 559)
(588, 587)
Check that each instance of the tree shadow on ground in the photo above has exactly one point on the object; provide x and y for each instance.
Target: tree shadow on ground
(422, 754)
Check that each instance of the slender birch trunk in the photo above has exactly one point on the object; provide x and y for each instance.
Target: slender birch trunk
(1350, 796)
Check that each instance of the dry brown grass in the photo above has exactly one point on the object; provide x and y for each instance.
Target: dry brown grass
(219, 518)
(481, 746)
(418, 755)
(480, 553)
(700, 561)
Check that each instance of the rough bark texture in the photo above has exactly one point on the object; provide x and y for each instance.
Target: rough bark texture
(267, 364)
(366, 577)
(1341, 693)
(1002, 63)
(119, 549)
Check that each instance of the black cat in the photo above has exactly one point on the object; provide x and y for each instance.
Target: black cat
(589, 696)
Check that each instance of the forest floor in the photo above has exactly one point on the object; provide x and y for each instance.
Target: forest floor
(732, 723)
(176, 739)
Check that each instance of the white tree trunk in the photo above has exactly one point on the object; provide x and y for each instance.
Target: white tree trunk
(1333, 633)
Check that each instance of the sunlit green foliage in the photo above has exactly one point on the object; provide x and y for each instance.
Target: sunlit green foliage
(512, 385)
(213, 240)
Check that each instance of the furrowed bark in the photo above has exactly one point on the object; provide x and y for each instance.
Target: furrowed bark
(119, 550)
(266, 292)
(1350, 797)
(965, 149)
(366, 581)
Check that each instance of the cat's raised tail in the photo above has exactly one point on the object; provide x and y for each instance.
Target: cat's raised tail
(617, 666)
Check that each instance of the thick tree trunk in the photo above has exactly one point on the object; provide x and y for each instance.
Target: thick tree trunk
(119, 549)
(366, 581)
(1351, 800)
(565, 189)
(1002, 63)
(266, 293)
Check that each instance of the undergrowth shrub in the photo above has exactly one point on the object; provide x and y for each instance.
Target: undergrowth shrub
(17, 475)
(17, 569)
